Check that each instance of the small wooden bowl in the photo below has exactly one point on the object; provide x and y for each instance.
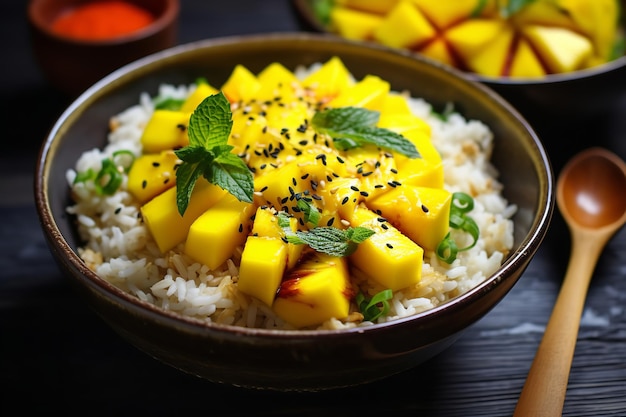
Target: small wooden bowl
(71, 65)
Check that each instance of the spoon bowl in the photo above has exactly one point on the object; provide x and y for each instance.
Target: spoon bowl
(591, 199)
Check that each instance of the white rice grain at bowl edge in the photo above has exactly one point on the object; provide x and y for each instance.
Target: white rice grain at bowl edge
(120, 250)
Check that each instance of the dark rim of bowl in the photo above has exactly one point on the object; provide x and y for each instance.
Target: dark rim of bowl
(515, 260)
(169, 15)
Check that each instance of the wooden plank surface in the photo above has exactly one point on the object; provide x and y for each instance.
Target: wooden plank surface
(56, 352)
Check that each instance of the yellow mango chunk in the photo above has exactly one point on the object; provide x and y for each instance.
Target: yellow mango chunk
(340, 198)
(375, 168)
(166, 129)
(421, 213)
(266, 225)
(525, 62)
(368, 93)
(263, 263)
(277, 188)
(598, 19)
(151, 174)
(388, 257)
(404, 27)
(439, 50)
(329, 80)
(202, 91)
(425, 171)
(167, 226)
(562, 50)
(491, 59)
(354, 24)
(401, 123)
(394, 104)
(277, 81)
(215, 234)
(447, 13)
(316, 290)
(470, 37)
(241, 85)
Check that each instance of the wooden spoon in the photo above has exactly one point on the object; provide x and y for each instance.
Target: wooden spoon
(591, 195)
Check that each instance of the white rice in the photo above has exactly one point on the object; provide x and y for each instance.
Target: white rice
(119, 248)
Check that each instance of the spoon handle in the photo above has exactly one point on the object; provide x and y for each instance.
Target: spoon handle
(544, 391)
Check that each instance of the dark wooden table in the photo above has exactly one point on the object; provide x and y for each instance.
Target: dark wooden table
(57, 356)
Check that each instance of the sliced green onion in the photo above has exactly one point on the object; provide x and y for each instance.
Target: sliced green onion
(124, 158)
(447, 249)
(108, 179)
(84, 176)
(462, 203)
(377, 307)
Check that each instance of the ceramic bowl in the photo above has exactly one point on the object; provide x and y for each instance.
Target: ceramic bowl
(569, 111)
(287, 359)
(71, 65)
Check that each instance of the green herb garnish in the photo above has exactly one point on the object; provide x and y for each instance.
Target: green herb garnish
(462, 204)
(352, 127)
(168, 103)
(330, 240)
(109, 178)
(209, 155)
(377, 307)
(311, 213)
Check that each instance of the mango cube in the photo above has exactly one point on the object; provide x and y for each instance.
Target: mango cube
(354, 24)
(316, 290)
(202, 91)
(266, 225)
(421, 213)
(167, 226)
(277, 81)
(561, 49)
(404, 27)
(263, 263)
(369, 93)
(388, 257)
(166, 129)
(215, 234)
(241, 85)
(425, 171)
(151, 174)
(329, 80)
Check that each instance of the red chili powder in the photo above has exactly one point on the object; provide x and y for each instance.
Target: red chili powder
(102, 20)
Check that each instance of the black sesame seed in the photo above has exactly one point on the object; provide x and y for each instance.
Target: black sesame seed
(389, 245)
(425, 209)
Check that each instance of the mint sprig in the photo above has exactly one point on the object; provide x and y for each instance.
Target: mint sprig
(209, 155)
(352, 127)
(330, 240)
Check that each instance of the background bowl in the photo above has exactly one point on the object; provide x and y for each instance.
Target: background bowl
(569, 111)
(72, 65)
(292, 360)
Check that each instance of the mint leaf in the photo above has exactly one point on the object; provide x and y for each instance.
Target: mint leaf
(351, 127)
(311, 213)
(209, 154)
(211, 122)
(330, 240)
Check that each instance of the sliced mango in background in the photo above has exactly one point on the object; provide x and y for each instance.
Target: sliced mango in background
(354, 24)
(404, 27)
(562, 50)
